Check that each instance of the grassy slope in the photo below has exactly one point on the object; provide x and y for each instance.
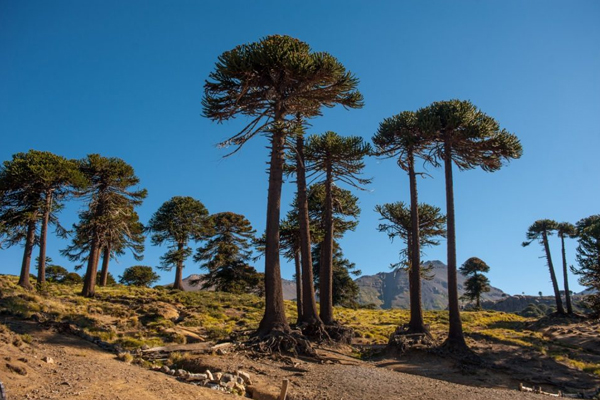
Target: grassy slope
(133, 317)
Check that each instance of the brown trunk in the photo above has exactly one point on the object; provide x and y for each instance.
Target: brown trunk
(559, 305)
(178, 284)
(326, 271)
(89, 282)
(566, 277)
(41, 278)
(310, 314)
(29, 242)
(298, 286)
(455, 334)
(105, 261)
(416, 311)
(274, 318)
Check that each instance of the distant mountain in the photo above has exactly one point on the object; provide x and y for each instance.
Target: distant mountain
(390, 289)
(289, 287)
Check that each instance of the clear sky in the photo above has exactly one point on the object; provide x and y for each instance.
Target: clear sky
(125, 79)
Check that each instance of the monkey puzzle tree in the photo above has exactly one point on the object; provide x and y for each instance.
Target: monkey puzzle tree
(229, 240)
(109, 195)
(431, 225)
(540, 230)
(588, 258)
(463, 135)
(272, 81)
(32, 186)
(289, 233)
(334, 159)
(476, 284)
(401, 137)
(176, 222)
(565, 229)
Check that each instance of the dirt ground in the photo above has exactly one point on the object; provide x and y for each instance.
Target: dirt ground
(81, 370)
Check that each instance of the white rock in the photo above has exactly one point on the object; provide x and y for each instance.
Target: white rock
(245, 376)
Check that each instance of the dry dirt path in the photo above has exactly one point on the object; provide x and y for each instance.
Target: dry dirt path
(82, 371)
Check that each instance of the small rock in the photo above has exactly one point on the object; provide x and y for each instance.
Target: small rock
(227, 378)
(239, 389)
(210, 375)
(171, 372)
(48, 360)
(197, 377)
(165, 369)
(218, 376)
(182, 373)
(221, 352)
(245, 376)
(239, 380)
(23, 359)
(213, 386)
(145, 347)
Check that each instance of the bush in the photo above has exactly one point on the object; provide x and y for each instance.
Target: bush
(139, 275)
(72, 278)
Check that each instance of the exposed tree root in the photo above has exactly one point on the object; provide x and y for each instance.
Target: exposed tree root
(404, 339)
(315, 332)
(279, 342)
(459, 351)
(339, 333)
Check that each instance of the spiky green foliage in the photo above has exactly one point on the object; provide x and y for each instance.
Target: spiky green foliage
(273, 81)
(110, 198)
(398, 216)
(32, 188)
(56, 273)
(345, 290)
(566, 230)
(539, 231)
(345, 211)
(588, 258)
(226, 253)
(139, 275)
(177, 222)
(476, 283)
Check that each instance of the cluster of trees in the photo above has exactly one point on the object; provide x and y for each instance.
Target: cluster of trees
(587, 232)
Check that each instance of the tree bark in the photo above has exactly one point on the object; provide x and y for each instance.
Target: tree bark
(310, 315)
(456, 337)
(298, 286)
(41, 278)
(326, 271)
(89, 282)
(559, 305)
(414, 275)
(29, 242)
(178, 284)
(274, 318)
(566, 277)
(105, 261)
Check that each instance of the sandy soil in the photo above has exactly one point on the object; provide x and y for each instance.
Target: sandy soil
(81, 370)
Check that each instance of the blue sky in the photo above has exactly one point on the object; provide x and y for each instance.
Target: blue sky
(125, 79)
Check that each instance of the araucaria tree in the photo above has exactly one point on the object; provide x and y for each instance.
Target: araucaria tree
(176, 222)
(588, 258)
(226, 253)
(400, 137)
(566, 230)
(476, 283)
(32, 186)
(109, 195)
(540, 230)
(335, 159)
(463, 135)
(273, 81)
(432, 225)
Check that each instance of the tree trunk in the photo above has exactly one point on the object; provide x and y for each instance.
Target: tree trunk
(274, 318)
(298, 286)
(41, 278)
(456, 337)
(29, 242)
(559, 305)
(326, 271)
(89, 282)
(178, 284)
(566, 277)
(416, 311)
(310, 315)
(105, 261)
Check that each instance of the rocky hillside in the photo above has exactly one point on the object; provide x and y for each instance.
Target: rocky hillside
(390, 289)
